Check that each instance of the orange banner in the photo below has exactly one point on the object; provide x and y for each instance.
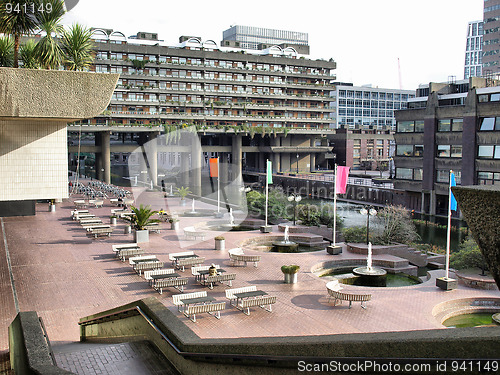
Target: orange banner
(214, 167)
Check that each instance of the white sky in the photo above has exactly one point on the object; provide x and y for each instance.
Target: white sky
(364, 37)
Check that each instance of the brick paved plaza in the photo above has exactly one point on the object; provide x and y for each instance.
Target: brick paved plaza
(56, 270)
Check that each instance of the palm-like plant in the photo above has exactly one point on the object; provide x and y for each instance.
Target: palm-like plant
(142, 216)
(6, 51)
(17, 23)
(78, 47)
(28, 55)
(48, 50)
(183, 192)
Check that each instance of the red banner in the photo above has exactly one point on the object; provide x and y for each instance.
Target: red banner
(214, 167)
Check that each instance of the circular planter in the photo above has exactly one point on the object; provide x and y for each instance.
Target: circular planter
(290, 278)
(174, 225)
(220, 244)
(52, 208)
(112, 220)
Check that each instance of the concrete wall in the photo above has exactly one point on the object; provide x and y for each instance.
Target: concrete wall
(33, 160)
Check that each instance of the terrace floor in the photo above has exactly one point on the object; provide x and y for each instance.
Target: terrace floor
(48, 264)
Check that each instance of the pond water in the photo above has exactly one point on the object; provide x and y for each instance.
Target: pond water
(392, 280)
(470, 320)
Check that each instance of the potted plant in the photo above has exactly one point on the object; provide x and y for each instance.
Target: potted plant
(183, 192)
(112, 219)
(220, 243)
(174, 223)
(290, 273)
(140, 219)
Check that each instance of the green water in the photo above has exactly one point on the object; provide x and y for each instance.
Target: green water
(470, 320)
(392, 280)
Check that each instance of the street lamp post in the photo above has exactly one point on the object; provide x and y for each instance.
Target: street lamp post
(368, 211)
(295, 198)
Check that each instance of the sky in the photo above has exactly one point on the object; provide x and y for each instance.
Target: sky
(373, 41)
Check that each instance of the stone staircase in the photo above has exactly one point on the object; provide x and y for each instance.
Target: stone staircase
(5, 364)
(128, 358)
(310, 240)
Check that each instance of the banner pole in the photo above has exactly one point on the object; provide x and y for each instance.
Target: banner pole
(334, 206)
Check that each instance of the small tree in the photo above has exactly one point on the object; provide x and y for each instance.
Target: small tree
(28, 55)
(395, 226)
(48, 50)
(142, 216)
(468, 256)
(6, 51)
(183, 192)
(78, 47)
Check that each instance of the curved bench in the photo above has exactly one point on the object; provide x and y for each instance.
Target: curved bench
(351, 297)
(237, 256)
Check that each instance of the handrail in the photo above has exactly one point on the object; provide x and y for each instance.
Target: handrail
(269, 358)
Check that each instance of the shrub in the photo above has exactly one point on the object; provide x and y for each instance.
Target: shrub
(354, 234)
(468, 256)
(396, 226)
(290, 269)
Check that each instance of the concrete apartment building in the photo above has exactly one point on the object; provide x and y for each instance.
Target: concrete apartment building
(491, 37)
(474, 50)
(246, 105)
(365, 123)
(447, 126)
(259, 38)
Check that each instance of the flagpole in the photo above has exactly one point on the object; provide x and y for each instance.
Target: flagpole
(448, 232)
(334, 206)
(218, 186)
(267, 187)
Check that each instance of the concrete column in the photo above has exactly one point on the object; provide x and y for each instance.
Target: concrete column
(223, 168)
(184, 169)
(261, 161)
(432, 208)
(151, 148)
(106, 157)
(236, 157)
(196, 155)
(422, 202)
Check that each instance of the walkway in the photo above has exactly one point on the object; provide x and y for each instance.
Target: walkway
(64, 275)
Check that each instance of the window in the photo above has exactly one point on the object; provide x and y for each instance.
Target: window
(405, 127)
(443, 151)
(443, 176)
(485, 152)
(419, 150)
(444, 125)
(487, 123)
(404, 173)
(418, 174)
(456, 151)
(404, 150)
(457, 125)
(490, 123)
(419, 126)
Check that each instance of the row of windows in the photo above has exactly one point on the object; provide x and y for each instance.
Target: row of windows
(374, 95)
(490, 123)
(365, 112)
(416, 174)
(488, 152)
(371, 104)
(474, 58)
(103, 55)
(474, 43)
(410, 150)
(443, 125)
(472, 71)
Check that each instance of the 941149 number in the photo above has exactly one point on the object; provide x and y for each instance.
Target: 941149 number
(40, 7)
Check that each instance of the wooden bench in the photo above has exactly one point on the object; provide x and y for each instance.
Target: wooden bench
(262, 302)
(117, 248)
(163, 271)
(96, 203)
(231, 292)
(80, 204)
(210, 308)
(342, 296)
(187, 262)
(75, 213)
(177, 283)
(147, 266)
(236, 256)
(211, 280)
(178, 297)
(95, 232)
(191, 233)
(153, 227)
(172, 256)
(127, 253)
(140, 258)
(195, 269)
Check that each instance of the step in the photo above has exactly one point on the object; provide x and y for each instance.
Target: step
(5, 364)
(126, 358)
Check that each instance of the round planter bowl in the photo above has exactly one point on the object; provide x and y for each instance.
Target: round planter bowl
(290, 278)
